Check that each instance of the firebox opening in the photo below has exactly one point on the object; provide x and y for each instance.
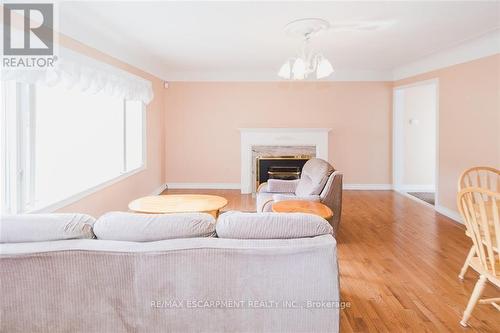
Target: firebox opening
(281, 167)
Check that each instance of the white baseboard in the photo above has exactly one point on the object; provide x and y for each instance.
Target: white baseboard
(454, 215)
(416, 188)
(201, 186)
(236, 186)
(368, 187)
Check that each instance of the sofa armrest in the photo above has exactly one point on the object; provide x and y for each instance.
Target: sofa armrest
(282, 186)
(332, 197)
(262, 187)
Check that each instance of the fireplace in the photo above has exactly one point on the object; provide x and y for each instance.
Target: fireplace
(278, 143)
(279, 167)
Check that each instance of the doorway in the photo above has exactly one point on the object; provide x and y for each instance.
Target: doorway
(415, 140)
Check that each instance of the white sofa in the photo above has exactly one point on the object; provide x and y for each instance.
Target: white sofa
(201, 284)
(318, 182)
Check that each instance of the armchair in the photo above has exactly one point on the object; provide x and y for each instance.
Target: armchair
(318, 182)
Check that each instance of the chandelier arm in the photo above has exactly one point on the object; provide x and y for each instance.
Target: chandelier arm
(315, 61)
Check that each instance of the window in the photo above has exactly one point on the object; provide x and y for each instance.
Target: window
(58, 143)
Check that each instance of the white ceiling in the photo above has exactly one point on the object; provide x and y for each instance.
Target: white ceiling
(245, 40)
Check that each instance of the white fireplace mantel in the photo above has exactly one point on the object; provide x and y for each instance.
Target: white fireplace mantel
(317, 137)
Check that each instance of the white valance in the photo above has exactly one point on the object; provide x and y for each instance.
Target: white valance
(75, 70)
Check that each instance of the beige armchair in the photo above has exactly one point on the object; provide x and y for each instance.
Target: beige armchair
(318, 182)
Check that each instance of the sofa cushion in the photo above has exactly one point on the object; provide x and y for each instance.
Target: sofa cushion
(313, 178)
(123, 226)
(270, 225)
(282, 186)
(45, 227)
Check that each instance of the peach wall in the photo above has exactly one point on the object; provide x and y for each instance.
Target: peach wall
(117, 196)
(469, 120)
(202, 121)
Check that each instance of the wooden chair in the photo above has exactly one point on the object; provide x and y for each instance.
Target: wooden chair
(480, 210)
(482, 177)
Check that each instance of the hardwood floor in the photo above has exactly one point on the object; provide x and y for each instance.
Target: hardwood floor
(399, 262)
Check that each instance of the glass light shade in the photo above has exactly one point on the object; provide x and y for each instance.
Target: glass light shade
(285, 70)
(299, 69)
(324, 68)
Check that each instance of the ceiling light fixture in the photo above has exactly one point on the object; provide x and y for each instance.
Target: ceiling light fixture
(307, 61)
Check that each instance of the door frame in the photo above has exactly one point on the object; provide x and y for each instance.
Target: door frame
(398, 135)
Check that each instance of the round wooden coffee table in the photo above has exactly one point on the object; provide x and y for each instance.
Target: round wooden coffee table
(179, 203)
(302, 206)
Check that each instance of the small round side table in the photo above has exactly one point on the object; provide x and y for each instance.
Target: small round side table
(302, 206)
